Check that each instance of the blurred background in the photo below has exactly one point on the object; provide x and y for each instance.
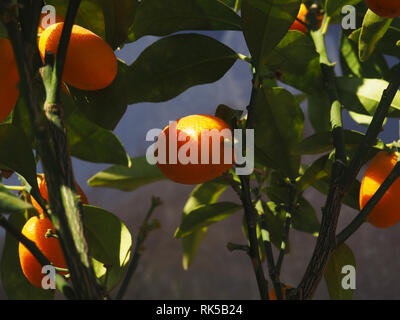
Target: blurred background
(216, 273)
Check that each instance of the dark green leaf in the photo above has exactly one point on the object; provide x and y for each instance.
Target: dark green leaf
(278, 123)
(16, 286)
(319, 112)
(160, 18)
(91, 142)
(342, 256)
(204, 215)
(318, 170)
(16, 154)
(373, 29)
(110, 243)
(265, 23)
(275, 220)
(305, 219)
(10, 203)
(206, 193)
(127, 179)
(173, 64)
(104, 107)
(334, 7)
(118, 17)
(228, 114)
(296, 58)
(376, 67)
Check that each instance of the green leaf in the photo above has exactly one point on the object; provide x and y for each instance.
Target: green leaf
(173, 64)
(118, 17)
(296, 58)
(334, 7)
(376, 67)
(90, 142)
(319, 112)
(265, 23)
(387, 44)
(16, 286)
(104, 107)
(127, 179)
(317, 170)
(16, 154)
(204, 215)
(161, 18)
(110, 244)
(363, 95)
(206, 193)
(373, 29)
(323, 142)
(275, 220)
(363, 119)
(305, 219)
(342, 256)
(10, 203)
(228, 114)
(278, 123)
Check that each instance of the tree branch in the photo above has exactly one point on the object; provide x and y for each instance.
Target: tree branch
(64, 202)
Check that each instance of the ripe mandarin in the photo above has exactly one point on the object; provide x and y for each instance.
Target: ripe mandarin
(192, 127)
(35, 229)
(90, 63)
(9, 79)
(386, 213)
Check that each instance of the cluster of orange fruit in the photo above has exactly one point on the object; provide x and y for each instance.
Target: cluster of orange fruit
(90, 63)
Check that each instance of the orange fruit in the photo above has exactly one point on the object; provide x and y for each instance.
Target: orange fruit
(384, 8)
(44, 22)
(90, 63)
(9, 79)
(45, 194)
(386, 213)
(302, 15)
(272, 293)
(35, 229)
(191, 128)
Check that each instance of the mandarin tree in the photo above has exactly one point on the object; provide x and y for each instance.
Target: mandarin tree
(304, 132)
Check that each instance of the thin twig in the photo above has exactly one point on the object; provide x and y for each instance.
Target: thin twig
(143, 233)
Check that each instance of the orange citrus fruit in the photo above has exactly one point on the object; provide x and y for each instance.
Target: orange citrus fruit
(35, 229)
(45, 22)
(9, 79)
(44, 192)
(90, 63)
(302, 15)
(386, 213)
(272, 294)
(190, 130)
(385, 8)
